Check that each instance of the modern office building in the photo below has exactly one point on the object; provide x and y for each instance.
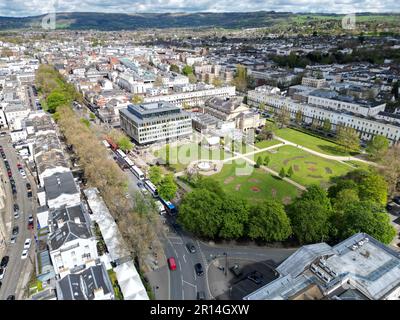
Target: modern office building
(150, 122)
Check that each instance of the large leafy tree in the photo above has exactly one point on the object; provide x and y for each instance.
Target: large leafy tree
(167, 187)
(55, 100)
(377, 147)
(310, 215)
(200, 212)
(235, 216)
(155, 175)
(368, 217)
(125, 144)
(374, 188)
(268, 222)
(348, 138)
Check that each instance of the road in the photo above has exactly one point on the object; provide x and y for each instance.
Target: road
(17, 271)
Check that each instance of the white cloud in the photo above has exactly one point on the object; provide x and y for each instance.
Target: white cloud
(36, 7)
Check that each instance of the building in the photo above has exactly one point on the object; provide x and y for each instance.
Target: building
(320, 109)
(71, 242)
(92, 283)
(313, 82)
(358, 268)
(151, 122)
(194, 98)
(232, 109)
(60, 190)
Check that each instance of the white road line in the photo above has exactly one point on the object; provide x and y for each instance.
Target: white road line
(184, 258)
(180, 267)
(190, 284)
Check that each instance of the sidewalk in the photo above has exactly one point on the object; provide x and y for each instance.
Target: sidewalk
(159, 282)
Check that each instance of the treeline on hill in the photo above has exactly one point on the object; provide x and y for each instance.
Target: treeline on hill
(375, 56)
(354, 203)
(135, 218)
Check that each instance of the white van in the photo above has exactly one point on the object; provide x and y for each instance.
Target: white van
(161, 208)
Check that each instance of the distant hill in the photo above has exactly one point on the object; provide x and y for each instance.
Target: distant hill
(119, 21)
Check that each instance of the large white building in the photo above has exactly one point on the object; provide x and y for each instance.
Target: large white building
(358, 268)
(347, 114)
(194, 98)
(151, 122)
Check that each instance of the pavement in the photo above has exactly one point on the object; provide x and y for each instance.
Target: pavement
(17, 273)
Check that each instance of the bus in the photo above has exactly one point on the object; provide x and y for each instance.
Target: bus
(113, 145)
(106, 144)
(137, 172)
(129, 162)
(151, 187)
(169, 207)
(121, 153)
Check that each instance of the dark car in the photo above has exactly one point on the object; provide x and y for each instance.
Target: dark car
(14, 189)
(4, 261)
(256, 277)
(191, 248)
(30, 225)
(11, 297)
(396, 200)
(9, 173)
(28, 186)
(16, 207)
(15, 230)
(199, 269)
(201, 295)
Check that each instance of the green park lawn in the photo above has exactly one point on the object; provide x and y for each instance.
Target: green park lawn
(311, 142)
(266, 143)
(308, 168)
(182, 156)
(243, 180)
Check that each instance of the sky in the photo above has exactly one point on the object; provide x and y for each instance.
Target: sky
(20, 8)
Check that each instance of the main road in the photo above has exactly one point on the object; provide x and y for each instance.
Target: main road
(18, 270)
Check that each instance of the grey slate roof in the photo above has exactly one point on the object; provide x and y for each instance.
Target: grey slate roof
(58, 184)
(68, 232)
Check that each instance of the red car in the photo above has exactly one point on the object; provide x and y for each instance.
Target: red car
(19, 166)
(171, 264)
(30, 225)
(9, 173)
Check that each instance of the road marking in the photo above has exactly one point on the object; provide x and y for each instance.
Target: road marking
(184, 258)
(190, 284)
(180, 267)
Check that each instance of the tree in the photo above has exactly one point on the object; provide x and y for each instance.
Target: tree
(125, 144)
(348, 138)
(155, 175)
(187, 70)
(282, 117)
(299, 117)
(174, 68)
(261, 106)
(217, 82)
(136, 99)
(327, 126)
(54, 100)
(374, 188)
(167, 154)
(267, 159)
(235, 216)
(368, 217)
(377, 147)
(192, 78)
(167, 187)
(310, 216)
(282, 173)
(240, 80)
(259, 162)
(200, 211)
(86, 122)
(268, 222)
(290, 172)
(390, 169)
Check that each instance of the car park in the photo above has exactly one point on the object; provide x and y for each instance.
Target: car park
(4, 261)
(24, 254)
(199, 269)
(27, 243)
(191, 248)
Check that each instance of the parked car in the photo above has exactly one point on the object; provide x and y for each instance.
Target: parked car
(9, 173)
(24, 254)
(15, 230)
(4, 261)
(2, 271)
(396, 200)
(201, 295)
(191, 248)
(13, 239)
(16, 215)
(171, 263)
(30, 225)
(30, 218)
(27, 243)
(199, 269)
(16, 207)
